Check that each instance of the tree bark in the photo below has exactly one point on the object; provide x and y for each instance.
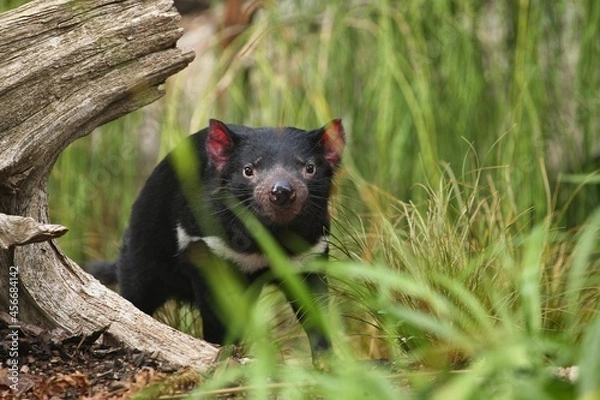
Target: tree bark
(68, 66)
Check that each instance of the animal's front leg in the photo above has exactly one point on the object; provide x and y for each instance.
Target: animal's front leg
(311, 315)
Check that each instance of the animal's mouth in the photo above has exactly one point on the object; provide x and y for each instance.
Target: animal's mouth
(281, 215)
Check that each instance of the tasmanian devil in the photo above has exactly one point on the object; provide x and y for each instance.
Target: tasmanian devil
(191, 213)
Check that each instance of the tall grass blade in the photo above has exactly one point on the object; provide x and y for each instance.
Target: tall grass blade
(589, 365)
(579, 277)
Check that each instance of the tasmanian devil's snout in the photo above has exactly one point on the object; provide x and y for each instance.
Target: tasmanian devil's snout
(282, 193)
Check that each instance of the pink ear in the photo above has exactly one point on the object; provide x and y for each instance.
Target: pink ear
(333, 140)
(218, 143)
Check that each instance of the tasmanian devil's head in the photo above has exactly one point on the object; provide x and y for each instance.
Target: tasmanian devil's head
(279, 174)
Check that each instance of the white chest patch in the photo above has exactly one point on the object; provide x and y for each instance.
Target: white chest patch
(247, 262)
(184, 239)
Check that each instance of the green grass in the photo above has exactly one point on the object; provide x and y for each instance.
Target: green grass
(465, 234)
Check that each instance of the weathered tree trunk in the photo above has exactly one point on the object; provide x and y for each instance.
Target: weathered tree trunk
(67, 67)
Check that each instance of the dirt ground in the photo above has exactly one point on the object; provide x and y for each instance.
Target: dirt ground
(54, 365)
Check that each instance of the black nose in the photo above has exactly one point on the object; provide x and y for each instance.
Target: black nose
(282, 193)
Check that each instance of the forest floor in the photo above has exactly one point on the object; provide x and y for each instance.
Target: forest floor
(55, 365)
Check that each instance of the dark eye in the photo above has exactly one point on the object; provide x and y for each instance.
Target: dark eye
(309, 168)
(248, 171)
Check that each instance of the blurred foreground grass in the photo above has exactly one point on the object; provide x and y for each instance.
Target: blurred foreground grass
(465, 234)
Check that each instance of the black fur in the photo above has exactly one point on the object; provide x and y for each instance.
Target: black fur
(282, 176)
